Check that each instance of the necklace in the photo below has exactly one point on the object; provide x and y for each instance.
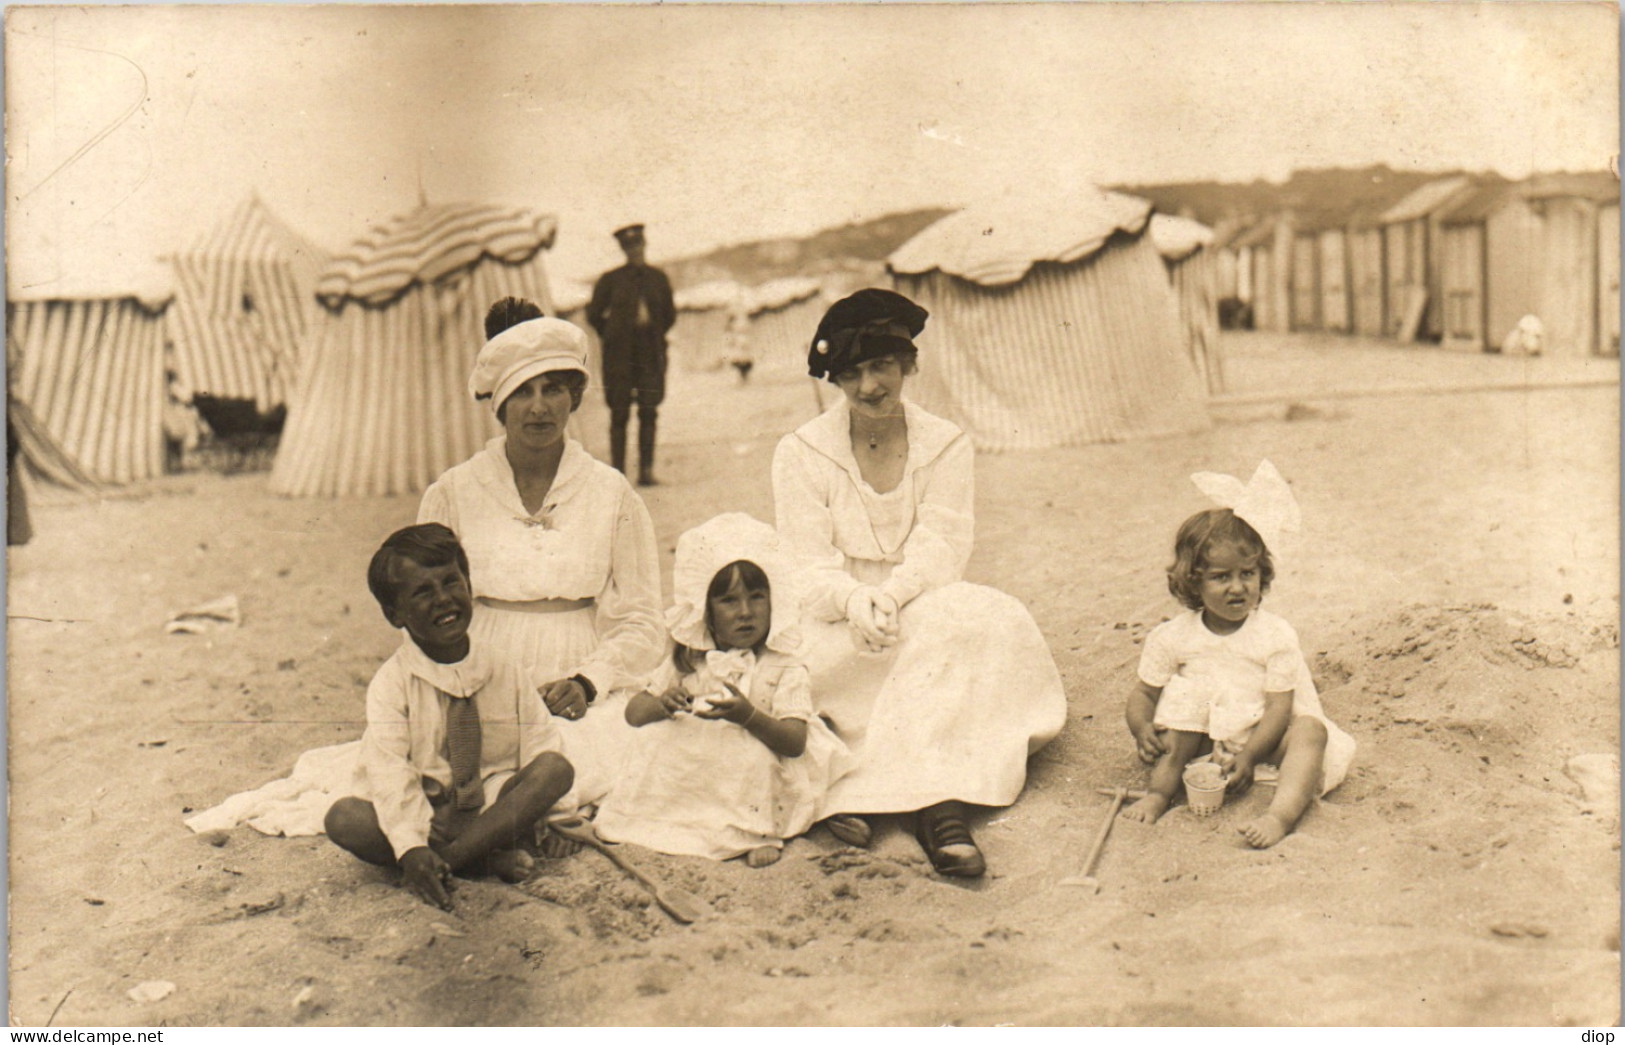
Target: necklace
(874, 441)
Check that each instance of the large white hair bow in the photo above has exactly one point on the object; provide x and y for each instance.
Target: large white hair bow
(1265, 502)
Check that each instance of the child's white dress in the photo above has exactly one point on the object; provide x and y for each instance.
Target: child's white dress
(1215, 684)
(706, 787)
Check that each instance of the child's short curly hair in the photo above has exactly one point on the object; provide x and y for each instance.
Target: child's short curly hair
(1199, 533)
(427, 544)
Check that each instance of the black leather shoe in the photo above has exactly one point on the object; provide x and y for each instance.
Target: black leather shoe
(947, 841)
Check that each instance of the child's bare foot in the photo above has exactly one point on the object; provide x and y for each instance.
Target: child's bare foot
(1147, 809)
(510, 865)
(1264, 831)
(762, 856)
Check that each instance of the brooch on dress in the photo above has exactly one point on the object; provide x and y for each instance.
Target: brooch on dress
(544, 518)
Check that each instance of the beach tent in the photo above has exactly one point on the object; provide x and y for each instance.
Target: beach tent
(784, 313)
(383, 404)
(1052, 323)
(1412, 258)
(1187, 250)
(244, 298)
(698, 339)
(1536, 248)
(89, 367)
(1366, 289)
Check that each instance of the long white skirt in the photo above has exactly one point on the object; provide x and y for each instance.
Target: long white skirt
(950, 712)
(707, 788)
(550, 646)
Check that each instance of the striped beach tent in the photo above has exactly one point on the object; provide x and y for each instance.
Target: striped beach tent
(783, 315)
(244, 297)
(383, 404)
(90, 370)
(698, 340)
(1186, 246)
(1052, 323)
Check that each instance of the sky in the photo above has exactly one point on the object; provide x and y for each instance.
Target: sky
(132, 130)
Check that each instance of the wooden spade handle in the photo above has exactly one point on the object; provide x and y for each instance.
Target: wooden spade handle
(1118, 795)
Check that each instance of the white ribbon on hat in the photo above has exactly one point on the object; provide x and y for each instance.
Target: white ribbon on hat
(1265, 502)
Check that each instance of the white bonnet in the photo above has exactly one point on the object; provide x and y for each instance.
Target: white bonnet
(703, 551)
(536, 346)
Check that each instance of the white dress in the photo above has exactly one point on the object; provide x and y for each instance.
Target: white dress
(1215, 684)
(954, 708)
(591, 543)
(706, 787)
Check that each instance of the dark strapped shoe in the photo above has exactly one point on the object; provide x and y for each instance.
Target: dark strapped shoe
(850, 828)
(946, 840)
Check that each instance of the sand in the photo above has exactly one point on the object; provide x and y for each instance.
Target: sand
(1456, 588)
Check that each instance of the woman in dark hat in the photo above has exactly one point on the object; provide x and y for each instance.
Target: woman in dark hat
(941, 688)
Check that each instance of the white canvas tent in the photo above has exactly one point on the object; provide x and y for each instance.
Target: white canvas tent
(784, 313)
(1052, 323)
(89, 366)
(244, 298)
(1186, 247)
(383, 404)
(698, 338)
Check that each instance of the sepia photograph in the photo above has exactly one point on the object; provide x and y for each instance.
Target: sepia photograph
(815, 514)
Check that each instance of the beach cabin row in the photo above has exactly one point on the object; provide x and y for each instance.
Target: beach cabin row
(1457, 260)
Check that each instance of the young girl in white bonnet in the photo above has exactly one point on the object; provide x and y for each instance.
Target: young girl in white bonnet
(1228, 677)
(730, 758)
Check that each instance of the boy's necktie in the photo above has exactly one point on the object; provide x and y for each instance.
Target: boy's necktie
(463, 752)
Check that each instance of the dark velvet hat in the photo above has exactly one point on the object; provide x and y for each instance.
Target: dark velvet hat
(864, 326)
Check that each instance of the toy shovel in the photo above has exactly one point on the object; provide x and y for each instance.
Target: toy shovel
(1087, 878)
(681, 905)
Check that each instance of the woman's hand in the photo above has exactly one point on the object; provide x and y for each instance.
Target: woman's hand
(873, 617)
(565, 698)
(732, 706)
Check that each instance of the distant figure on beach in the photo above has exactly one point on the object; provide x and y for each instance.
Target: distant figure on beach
(566, 572)
(730, 757)
(632, 309)
(460, 760)
(1226, 681)
(736, 346)
(940, 688)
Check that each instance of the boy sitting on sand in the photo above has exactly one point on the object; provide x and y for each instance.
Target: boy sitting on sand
(460, 759)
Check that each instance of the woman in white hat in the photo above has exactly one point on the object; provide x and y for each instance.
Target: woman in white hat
(561, 550)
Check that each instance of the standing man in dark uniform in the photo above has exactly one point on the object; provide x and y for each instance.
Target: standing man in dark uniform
(632, 309)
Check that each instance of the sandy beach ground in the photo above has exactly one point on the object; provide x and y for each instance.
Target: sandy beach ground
(1455, 586)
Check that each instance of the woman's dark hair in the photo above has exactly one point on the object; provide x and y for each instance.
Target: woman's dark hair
(908, 359)
(427, 544)
(752, 576)
(509, 312)
(574, 380)
(1201, 532)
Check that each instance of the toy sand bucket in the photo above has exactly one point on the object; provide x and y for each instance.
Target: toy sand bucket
(1204, 787)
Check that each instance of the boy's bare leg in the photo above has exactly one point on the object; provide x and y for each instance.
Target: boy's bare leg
(1303, 758)
(512, 818)
(1165, 776)
(352, 825)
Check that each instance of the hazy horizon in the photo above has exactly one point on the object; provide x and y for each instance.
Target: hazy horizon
(131, 131)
